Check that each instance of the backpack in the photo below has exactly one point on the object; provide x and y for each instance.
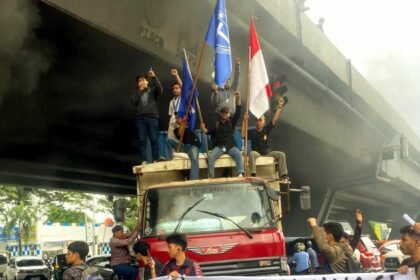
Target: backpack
(353, 266)
(90, 273)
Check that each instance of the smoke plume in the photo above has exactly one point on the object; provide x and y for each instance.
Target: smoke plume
(23, 57)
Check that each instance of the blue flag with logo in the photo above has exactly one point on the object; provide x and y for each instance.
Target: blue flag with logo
(187, 85)
(218, 38)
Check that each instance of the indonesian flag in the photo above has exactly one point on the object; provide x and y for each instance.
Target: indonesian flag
(259, 86)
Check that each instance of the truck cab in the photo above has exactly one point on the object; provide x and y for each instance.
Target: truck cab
(232, 224)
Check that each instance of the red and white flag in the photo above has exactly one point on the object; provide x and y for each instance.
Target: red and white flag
(259, 86)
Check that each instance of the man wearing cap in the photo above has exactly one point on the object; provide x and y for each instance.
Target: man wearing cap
(120, 254)
(224, 142)
(259, 141)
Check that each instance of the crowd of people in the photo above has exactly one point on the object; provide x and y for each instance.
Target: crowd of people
(178, 265)
(227, 108)
(331, 240)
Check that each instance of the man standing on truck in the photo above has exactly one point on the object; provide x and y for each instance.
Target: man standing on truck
(120, 255)
(174, 104)
(328, 241)
(145, 100)
(179, 265)
(259, 141)
(225, 97)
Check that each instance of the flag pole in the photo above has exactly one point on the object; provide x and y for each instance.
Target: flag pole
(200, 116)
(246, 120)
(197, 75)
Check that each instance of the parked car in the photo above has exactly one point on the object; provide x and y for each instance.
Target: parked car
(27, 268)
(369, 255)
(389, 246)
(59, 265)
(103, 264)
(393, 260)
(3, 265)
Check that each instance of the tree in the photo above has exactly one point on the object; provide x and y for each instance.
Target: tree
(59, 214)
(131, 213)
(23, 206)
(18, 209)
(24, 216)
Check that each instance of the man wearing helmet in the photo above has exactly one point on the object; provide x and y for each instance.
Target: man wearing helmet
(313, 258)
(301, 260)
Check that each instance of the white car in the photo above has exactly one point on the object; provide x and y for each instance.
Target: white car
(27, 268)
(393, 260)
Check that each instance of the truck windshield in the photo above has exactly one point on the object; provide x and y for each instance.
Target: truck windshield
(244, 203)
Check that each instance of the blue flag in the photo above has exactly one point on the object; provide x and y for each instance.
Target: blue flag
(187, 85)
(218, 38)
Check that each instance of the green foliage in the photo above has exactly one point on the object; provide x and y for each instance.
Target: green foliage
(23, 206)
(131, 213)
(58, 214)
(22, 215)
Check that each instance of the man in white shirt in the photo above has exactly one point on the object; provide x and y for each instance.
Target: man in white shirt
(174, 104)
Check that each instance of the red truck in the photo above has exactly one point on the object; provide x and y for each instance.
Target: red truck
(232, 224)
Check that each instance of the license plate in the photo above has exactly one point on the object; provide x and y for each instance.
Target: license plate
(35, 278)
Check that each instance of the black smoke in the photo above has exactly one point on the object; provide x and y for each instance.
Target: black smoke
(23, 57)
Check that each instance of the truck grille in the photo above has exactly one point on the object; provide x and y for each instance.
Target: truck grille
(260, 266)
(33, 271)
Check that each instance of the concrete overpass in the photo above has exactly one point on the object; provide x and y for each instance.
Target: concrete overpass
(341, 137)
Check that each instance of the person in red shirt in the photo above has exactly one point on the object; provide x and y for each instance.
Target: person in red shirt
(179, 264)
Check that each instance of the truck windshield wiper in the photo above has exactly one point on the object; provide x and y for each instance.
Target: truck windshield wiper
(185, 213)
(229, 219)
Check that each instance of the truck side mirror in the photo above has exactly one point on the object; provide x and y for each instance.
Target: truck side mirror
(305, 197)
(119, 207)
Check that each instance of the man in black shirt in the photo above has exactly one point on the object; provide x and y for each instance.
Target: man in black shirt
(259, 141)
(147, 115)
(224, 142)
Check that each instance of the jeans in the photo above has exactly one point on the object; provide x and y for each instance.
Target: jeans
(192, 152)
(233, 152)
(279, 157)
(125, 271)
(147, 128)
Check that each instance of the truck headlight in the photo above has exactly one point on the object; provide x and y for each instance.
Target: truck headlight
(283, 264)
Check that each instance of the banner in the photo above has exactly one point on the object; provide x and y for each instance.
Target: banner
(339, 276)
